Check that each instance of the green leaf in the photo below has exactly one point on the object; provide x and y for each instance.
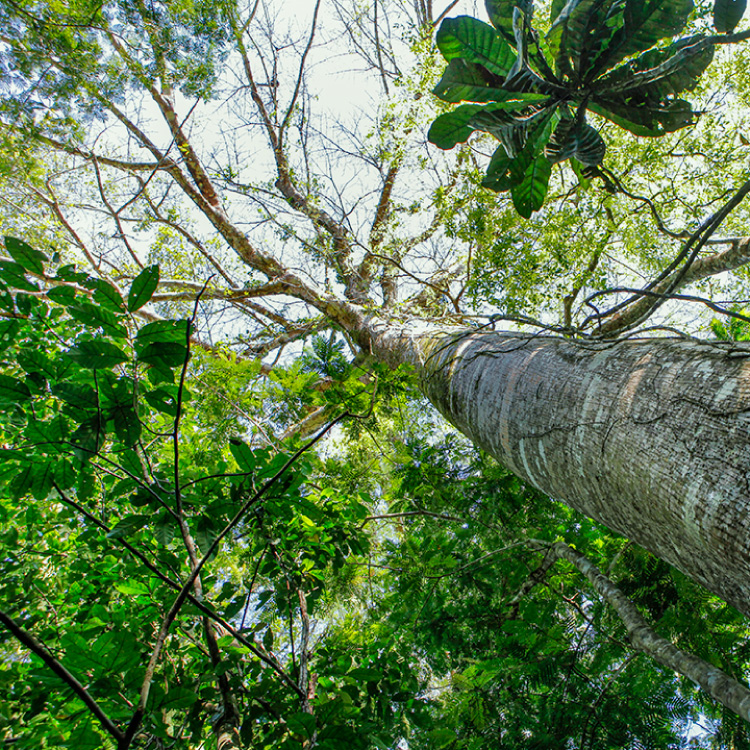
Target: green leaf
(727, 14)
(465, 81)
(97, 317)
(89, 437)
(13, 274)
(515, 132)
(32, 260)
(644, 24)
(65, 474)
(162, 400)
(475, 42)
(590, 146)
(130, 588)
(453, 127)
(501, 14)
(143, 287)
(657, 74)
(79, 396)
(107, 295)
(162, 332)
(48, 436)
(32, 479)
(531, 169)
(126, 423)
(497, 177)
(164, 529)
(97, 354)
(63, 295)
(13, 390)
(128, 525)
(33, 360)
(243, 454)
(571, 139)
(8, 332)
(646, 119)
(302, 724)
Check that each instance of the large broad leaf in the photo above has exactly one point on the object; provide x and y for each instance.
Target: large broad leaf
(128, 525)
(13, 274)
(453, 127)
(497, 177)
(143, 287)
(728, 13)
(501, 15)
(107, 295)
(531, 169)
(563, 142)
(575, 138)
(659, 74)
(643, 118)
(13, 390)
(645, 22)
(97, 317)
(468, 82)
(530, 188)
(579, 28)
(97, 354)
(32, 260)
(514, 131)
(590, 146)
(475, 42)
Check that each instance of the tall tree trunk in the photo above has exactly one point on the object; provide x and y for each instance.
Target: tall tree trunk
(649, 437)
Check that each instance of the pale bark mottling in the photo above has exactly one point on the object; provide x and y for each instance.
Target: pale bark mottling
(649, 437)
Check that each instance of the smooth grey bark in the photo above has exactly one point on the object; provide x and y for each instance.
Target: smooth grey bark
(649, 437)
(717, 684)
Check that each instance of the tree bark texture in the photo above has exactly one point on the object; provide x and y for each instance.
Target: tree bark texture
(649, 437)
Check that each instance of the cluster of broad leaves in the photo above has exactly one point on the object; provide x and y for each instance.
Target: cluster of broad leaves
(106, 471)
(532, 90)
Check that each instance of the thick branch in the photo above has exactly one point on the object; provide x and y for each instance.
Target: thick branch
(719, 685)
(737, 255)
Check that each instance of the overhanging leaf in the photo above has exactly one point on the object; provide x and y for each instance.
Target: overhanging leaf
(590, 146)
(32, 260)
(97, 317)
(453, 127)
(13, 274)
(501, 14)
(497, 177)
(13, 390)
(475, 42)
(658, 74)
(143, 287)
(529, 192)
(128, 525)
(645, 22)
(469, 82)
(727, 14)
(97, 354)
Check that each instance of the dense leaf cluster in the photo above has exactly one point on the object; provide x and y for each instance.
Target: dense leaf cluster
(534, 89)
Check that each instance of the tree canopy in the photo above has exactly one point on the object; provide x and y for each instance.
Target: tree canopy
(229, 517)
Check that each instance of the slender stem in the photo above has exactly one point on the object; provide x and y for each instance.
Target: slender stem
(38, 648)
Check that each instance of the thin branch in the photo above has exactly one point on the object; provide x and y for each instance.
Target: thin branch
(39, 649)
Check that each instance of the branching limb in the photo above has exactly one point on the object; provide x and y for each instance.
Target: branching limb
(715, 682)
(38, 648)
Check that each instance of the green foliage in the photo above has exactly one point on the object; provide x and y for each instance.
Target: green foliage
(597, 56)
(111, 493)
